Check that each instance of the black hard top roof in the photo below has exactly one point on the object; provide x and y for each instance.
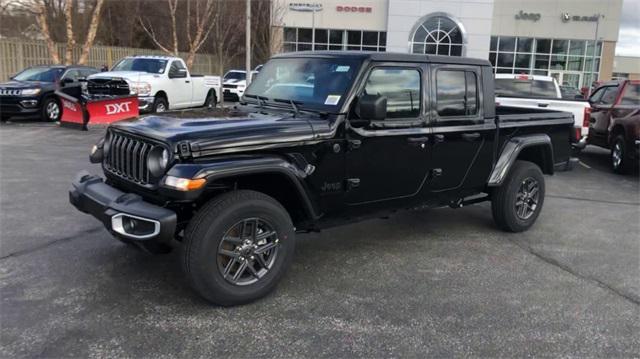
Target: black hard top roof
(389, 56)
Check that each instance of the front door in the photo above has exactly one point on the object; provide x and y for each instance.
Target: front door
(389, 160)
(462, 140)
(601, 101)
(568, 78)
(179, 89)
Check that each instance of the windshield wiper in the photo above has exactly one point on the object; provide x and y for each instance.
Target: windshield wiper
(292, 103)
(262, 100)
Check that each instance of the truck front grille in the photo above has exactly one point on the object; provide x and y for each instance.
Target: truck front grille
(127, 157)
(113, 87)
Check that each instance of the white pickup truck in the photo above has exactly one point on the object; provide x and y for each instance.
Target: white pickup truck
(161, 82)
(532, 91)
(235, 82)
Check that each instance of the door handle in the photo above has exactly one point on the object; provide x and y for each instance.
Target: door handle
(186, 81)
(471, 136)
(543, 104)
(418, 141)
(438, 138)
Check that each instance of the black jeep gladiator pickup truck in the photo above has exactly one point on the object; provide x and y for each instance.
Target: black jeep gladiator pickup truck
(319, 139)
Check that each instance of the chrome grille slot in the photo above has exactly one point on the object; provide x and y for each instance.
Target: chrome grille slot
(128, 156)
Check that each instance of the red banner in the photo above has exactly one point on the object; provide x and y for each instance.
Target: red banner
(108, 111)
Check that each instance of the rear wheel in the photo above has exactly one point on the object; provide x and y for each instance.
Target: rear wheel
(620, 162)
(516, 204)
(238, 247)
(211, 100)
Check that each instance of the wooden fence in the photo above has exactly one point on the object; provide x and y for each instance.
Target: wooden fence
(16, 54)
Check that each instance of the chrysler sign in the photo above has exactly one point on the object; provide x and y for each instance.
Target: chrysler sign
(305, 6)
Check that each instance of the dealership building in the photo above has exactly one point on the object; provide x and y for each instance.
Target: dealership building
(543, 37)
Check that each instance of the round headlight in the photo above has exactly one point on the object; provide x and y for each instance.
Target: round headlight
(158, 161)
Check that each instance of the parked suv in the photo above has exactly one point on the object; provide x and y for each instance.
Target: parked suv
(319, 139)
(30, 93)
(615, 122)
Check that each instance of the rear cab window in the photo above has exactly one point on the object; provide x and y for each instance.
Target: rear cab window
(631, 95)
(525, 87)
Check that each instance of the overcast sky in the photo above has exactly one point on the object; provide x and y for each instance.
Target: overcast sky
(629, 37)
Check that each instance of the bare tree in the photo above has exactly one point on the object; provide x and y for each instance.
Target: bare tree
(204, 18)
(48, 18)
(267, 13)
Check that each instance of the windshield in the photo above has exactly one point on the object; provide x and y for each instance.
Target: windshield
(235, 75)
(152, 66)
(43, 74)
(319, 83)
(525, 88)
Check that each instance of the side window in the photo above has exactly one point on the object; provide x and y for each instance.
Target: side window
(72, 74)
(456, 93)
(631, 95)
(400, 86)
(597, 95)
(87, 72)
(177, 65)
(609, 96)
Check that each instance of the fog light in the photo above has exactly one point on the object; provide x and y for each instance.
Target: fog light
(133, 226)
(29, 103)
(184, 184)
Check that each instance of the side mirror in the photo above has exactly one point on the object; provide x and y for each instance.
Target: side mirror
(66, 81)
(372, 107)
(179, 73)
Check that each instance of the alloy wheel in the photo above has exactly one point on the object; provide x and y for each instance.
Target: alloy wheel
(527, 198)
(616, 155)
(248, 251)
(53, 110)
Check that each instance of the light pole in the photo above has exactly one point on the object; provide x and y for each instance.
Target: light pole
(247, 44)
(313, 27)
(593, 59)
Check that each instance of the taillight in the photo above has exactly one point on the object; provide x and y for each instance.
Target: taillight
(578, 133)
(587, 117)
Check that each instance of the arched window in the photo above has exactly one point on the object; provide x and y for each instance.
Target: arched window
(437, 34)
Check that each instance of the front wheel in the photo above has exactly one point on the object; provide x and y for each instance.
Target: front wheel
(238, 247)
(516, 204)
(51, 110)
(160, 104)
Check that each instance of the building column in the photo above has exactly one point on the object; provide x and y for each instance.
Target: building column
(606, 60)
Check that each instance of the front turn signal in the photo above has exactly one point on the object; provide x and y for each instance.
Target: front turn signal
(184, 184)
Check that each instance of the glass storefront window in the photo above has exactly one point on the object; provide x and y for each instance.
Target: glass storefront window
(505, 60)
(543, 46)
(577, 47)
(523, 61)
(574, 63)
(301, 39)
(507, 44)
(525, 44)
(570, 60)
(558, 62)
(560, 46)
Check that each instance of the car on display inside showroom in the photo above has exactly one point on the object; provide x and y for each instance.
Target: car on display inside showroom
(615, 122)
(161, 83)
(533, 91)
(31, 92)
(369, 134)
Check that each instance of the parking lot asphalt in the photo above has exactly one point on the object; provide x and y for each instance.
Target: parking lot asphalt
(428, 283)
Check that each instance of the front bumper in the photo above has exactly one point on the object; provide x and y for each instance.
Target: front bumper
(232, 94)
(19, 106)
(145, 103)
(114, 208)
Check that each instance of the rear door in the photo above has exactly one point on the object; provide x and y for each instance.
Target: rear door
(462, 139)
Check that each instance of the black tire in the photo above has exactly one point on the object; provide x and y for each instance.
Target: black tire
(505, 199)
(51, 110)
(620, 162)
(204, 240)
(160, 104)
(211, 100)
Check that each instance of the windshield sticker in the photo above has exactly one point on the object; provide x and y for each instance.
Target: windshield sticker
(343, 68)
(332, 99)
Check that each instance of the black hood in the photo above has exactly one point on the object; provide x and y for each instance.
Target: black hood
(19, 85)
(227, 134)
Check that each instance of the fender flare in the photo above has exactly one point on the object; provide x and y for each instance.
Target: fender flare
(512, 149)
(239, 166)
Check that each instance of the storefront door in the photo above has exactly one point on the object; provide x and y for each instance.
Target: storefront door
(568, 78)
